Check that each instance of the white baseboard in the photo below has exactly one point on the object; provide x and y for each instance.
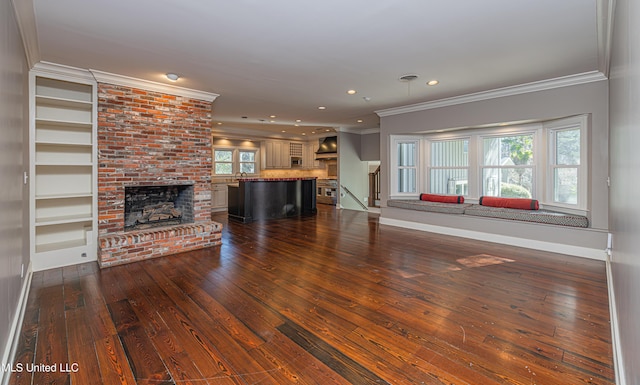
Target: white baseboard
(16, 327)
(578, 251)
(618, 365)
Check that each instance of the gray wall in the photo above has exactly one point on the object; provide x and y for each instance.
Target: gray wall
(13, 194)
(589, 98)
(352, 171)
(624, 204)
(370, 147)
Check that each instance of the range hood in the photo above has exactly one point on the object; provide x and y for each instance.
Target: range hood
(328, 148)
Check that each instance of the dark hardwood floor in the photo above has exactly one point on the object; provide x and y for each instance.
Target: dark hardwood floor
(330, 299)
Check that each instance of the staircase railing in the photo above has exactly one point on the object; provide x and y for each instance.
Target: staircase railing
(374, 187)
(364, 207)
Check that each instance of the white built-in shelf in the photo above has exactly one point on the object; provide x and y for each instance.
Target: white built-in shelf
(60, 245)
(65, 196)
(62, 219)
(63, 166)
(63, 123)
(63, 103)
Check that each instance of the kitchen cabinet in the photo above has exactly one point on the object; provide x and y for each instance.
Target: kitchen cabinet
(276, 154)
(309, 155)
(62, 140)
(219, 196)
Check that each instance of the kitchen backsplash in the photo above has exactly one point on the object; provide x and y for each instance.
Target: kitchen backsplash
(286, 173)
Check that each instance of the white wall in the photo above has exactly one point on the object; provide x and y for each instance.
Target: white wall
(624, 204)
(588, 98)
(13, 193)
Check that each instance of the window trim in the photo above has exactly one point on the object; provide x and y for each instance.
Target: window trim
(543, 188)
(214, 162)
(552, 128)
(429, 168)
(235, 164)
(393, 151)
(535, 131)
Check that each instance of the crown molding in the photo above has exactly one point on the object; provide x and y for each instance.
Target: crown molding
(26, 20)
(605, 11)
(565, 81)
(359, 131)
(59, 70)
(121, 80)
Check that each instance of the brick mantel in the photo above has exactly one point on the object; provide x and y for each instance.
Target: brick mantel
(150, 138)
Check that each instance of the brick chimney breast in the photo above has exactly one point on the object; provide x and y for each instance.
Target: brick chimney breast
(147, 138)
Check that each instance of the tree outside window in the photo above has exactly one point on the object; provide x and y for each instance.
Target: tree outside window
(223, 162)
(510, 166)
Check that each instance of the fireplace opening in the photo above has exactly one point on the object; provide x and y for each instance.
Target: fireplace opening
(155, 206)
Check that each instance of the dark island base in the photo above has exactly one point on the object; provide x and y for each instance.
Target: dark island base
(262, 199)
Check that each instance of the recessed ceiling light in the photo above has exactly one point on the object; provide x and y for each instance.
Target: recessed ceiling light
(304, 133)
(173, 77)
(352, 92)
(432, 82)
(272, 121)
(313, 132)
(272, 116)
(327, 130)
(298, 120)
(283, 131)
(322, 108)
(219, 123)
(359, 120)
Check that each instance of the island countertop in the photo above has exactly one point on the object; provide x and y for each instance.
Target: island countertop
(257, 179)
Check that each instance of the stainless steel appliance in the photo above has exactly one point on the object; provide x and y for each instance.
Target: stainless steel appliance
(327, 191)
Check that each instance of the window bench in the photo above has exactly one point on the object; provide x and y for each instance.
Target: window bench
(536, 216)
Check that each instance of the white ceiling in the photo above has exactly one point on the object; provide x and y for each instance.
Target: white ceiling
(288, 57)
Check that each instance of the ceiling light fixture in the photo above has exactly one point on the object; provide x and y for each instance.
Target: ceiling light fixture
(408, 77)
(352, 92)
(432, 82)
(359, 120)
(322, 108)
(173, 77)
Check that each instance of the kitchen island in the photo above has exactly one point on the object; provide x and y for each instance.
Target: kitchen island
(252, 199)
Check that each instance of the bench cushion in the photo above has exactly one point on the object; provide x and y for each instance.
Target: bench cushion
(537, 216)
(434, 207)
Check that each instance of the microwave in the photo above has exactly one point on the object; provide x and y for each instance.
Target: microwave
(296, 161)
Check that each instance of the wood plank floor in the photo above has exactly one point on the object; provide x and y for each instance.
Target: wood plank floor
(330, 299)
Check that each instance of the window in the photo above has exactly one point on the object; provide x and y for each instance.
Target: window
(248, 161)
(508, 166)
(567, 176)
(407, 161)
(543, 161)
(229, 161)
(223, 162)
(449, 167)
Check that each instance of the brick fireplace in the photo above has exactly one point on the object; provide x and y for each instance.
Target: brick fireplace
(159, 142)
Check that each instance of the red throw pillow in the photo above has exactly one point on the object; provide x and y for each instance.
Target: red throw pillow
(510, 203)
(442, 198)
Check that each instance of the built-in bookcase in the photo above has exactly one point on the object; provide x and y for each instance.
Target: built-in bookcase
(63, 168)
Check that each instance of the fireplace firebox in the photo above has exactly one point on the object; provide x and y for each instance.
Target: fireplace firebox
(156, 206)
